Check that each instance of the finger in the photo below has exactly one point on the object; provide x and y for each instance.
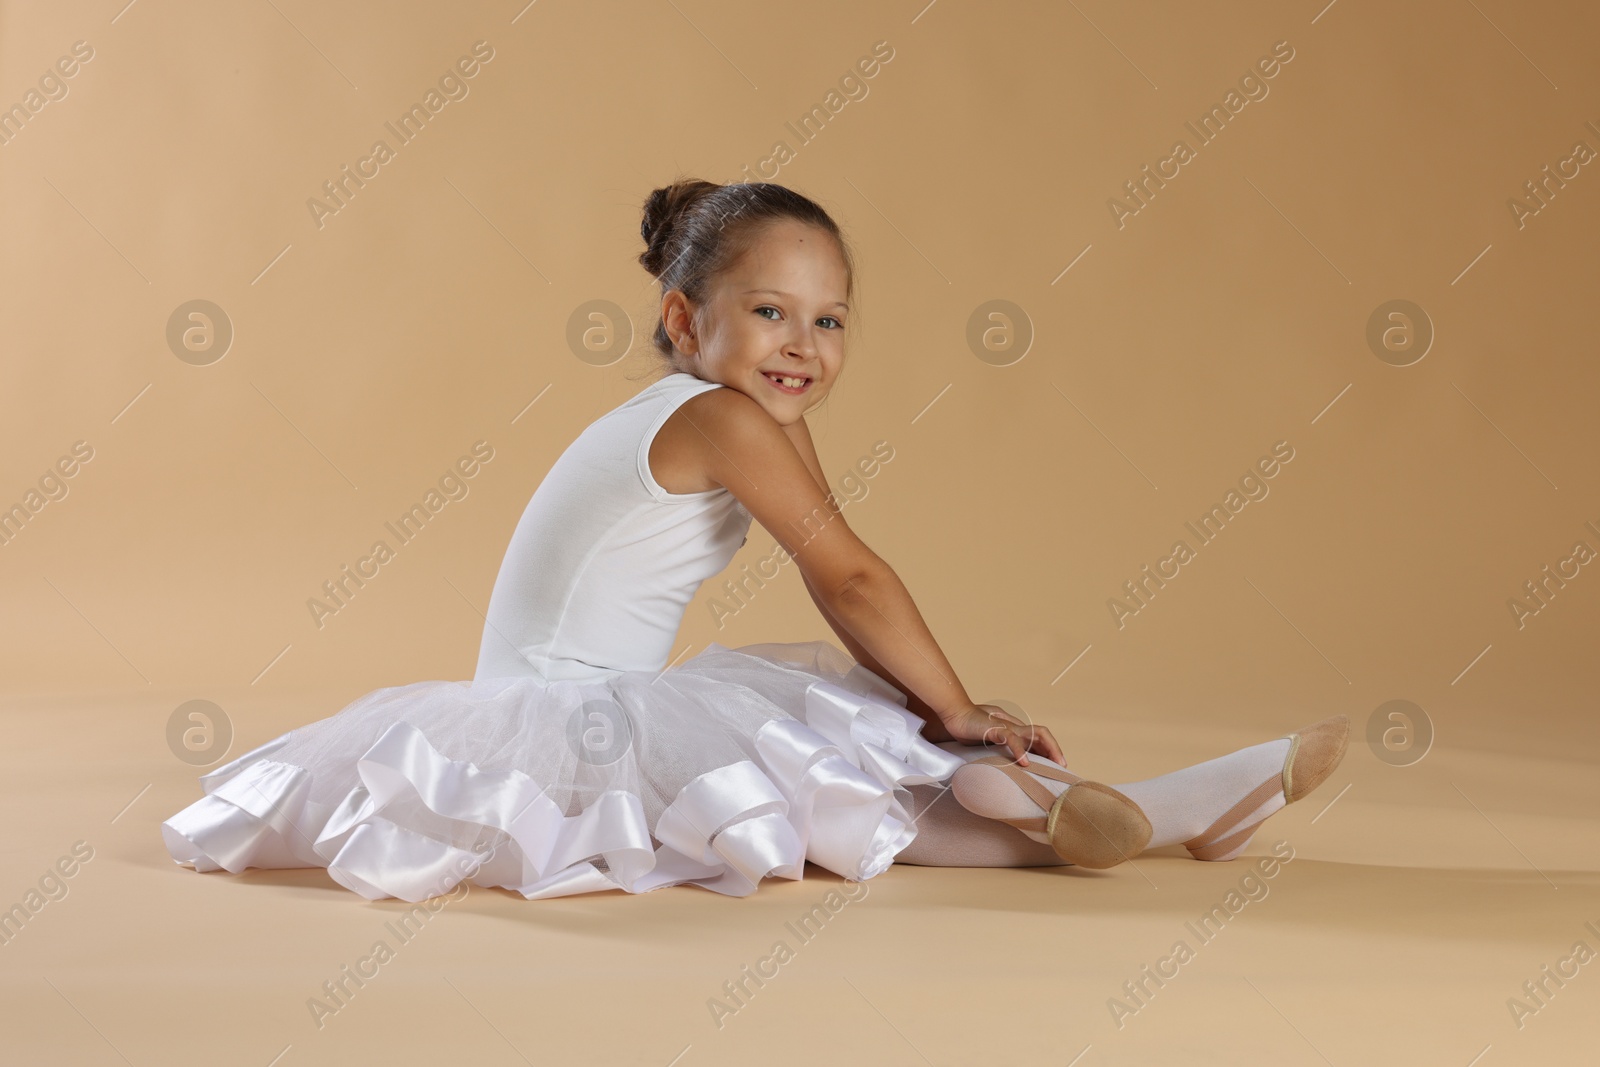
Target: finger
(1003, 737)
(1045, 743)
(1004, 716)
(1019, 748)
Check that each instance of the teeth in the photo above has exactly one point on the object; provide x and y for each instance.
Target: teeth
(792, 383)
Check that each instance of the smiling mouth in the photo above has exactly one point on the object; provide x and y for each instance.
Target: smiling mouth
(794, 384)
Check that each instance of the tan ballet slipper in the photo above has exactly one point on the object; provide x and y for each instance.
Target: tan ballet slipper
(1090, 824)
(1314, 753)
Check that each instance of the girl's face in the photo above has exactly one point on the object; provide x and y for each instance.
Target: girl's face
(778, 312)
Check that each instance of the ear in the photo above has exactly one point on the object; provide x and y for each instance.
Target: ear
(675, 314)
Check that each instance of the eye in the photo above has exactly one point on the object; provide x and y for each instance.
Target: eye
(837, 325)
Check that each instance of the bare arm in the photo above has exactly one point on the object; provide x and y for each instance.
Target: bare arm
(800, 436)
(983, 723)
(935, 730)
(744, 449)
(756, 459)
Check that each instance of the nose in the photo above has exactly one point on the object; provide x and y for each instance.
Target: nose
(801, 347)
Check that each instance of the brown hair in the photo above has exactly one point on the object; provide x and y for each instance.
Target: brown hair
(693, 230)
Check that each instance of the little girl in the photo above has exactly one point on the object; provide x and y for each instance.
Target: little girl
(579, 759)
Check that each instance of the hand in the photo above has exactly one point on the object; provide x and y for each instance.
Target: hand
(986, 724)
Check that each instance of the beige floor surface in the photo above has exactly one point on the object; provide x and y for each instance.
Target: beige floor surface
(1418, 902)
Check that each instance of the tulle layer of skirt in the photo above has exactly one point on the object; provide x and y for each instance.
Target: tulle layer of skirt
(736, 765)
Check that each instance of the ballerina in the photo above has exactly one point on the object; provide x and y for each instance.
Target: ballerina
(579, 759)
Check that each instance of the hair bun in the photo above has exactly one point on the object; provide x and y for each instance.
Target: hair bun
(663, 211)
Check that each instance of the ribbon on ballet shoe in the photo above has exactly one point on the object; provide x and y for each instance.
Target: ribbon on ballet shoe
(1224, 838)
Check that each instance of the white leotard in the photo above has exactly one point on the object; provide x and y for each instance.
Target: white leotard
(604, 561)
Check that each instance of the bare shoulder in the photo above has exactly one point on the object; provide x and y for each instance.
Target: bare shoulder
(729, 405)
(675, 457)
(681, 452)
(734, 432)
(738, 445)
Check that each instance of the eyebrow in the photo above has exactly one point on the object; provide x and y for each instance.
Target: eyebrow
(780, 292)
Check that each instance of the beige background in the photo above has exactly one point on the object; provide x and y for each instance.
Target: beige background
(1230, 313)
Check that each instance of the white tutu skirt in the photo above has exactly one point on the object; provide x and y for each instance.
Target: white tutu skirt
(736, 765)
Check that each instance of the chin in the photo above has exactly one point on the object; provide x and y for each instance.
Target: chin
(782, 414)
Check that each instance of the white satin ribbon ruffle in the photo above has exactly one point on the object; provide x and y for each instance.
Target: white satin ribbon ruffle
(829, 789)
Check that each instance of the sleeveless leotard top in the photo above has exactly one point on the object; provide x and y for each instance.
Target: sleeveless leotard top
(604, 561)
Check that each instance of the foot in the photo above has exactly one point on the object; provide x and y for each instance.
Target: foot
(1086, 823)
(1313, 754)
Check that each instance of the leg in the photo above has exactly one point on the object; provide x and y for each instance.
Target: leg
(1183, 803)
(1213, 808)
(948, 835)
